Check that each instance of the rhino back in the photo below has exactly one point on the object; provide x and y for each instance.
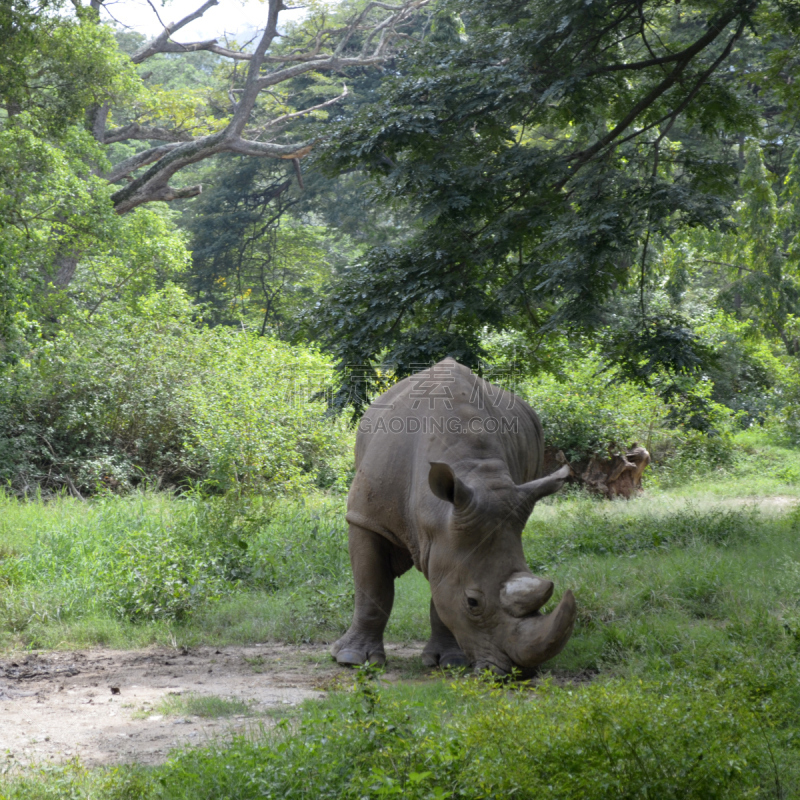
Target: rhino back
(445, 414)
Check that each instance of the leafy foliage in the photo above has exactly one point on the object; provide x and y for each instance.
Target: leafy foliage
(473, 740)
(145, 394)
(592, 411)
(543, 151)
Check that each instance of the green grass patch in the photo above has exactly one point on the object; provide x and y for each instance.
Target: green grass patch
(206, 706)
(154, 568)
(151, 568)
(728, 737)
(759, 467)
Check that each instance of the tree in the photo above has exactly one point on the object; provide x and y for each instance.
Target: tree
(364, 38)
(545, 152)
(84, 140)
(754, 262)
(53, 204)
(254, 261)
(103, 84)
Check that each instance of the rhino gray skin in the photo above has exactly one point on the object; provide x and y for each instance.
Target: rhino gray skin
(447, 473)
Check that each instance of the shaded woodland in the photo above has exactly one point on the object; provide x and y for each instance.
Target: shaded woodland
(581, 201)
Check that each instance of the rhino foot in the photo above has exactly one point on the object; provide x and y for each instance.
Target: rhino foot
(433, 656)
(442, 649)
(353, 650)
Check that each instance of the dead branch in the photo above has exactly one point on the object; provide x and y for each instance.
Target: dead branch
(297, 114)
(324, 51)
(154, 45)
(137, 131)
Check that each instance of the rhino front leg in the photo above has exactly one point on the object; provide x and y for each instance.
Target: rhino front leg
(376, 563)
(442, 649)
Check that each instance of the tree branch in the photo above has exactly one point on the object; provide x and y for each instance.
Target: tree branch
(210, 45)
(332, 63)
(130, 165)
(164, 161)
(303, 113)
(700, 82)
(137, 131)
(157, 44)
(645, 102)
(248, 147)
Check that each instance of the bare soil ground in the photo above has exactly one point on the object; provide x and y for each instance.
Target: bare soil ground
(101, 705)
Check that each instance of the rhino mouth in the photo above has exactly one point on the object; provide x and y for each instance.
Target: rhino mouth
(533, 640)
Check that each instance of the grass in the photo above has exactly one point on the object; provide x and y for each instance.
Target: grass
(467, 739)
(131, 571)
(195, 705)
(681, 678)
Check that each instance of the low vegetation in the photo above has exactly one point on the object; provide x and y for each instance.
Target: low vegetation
(193, 705)
(680, 680)
(148, 396)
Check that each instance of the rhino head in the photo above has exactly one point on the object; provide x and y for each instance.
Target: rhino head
(482, 588)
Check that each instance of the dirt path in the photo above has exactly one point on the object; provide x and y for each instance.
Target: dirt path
(100, 705)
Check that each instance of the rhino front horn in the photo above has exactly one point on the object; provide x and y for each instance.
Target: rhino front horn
(540, 637)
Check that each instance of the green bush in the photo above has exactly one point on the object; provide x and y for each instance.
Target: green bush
(149, 396)
(590, 411)
(621, 740)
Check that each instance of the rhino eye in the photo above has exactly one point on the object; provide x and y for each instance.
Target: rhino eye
(475, 601)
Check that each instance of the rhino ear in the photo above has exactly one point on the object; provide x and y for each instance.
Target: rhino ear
(446, 486)
(536, 490)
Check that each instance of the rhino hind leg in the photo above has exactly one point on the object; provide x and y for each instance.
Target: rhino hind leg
(442, 649)
(376, 563)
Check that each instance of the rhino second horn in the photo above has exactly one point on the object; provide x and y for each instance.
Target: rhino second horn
(522, 594)
(538, 638)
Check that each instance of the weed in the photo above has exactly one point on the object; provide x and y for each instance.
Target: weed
(256, 663)
(207, 706)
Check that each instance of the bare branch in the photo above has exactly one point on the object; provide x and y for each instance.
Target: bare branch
(304, 112)
(210, 45)
(155, 11)
(700, 83)
(168, 193)
(137, 131)
(156, 45)
(248, 147)
(130, 165)
(327, 63)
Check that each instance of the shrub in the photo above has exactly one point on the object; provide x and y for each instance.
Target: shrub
(619, 740)
(590, 411)
(150, 396)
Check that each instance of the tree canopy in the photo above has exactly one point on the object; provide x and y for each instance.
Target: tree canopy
(94, 125)
(547, 148)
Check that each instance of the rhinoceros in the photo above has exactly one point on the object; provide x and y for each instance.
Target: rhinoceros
(447, 473)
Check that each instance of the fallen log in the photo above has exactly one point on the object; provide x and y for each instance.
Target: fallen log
(618, 475)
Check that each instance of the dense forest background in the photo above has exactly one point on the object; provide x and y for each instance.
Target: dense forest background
(209, 250)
